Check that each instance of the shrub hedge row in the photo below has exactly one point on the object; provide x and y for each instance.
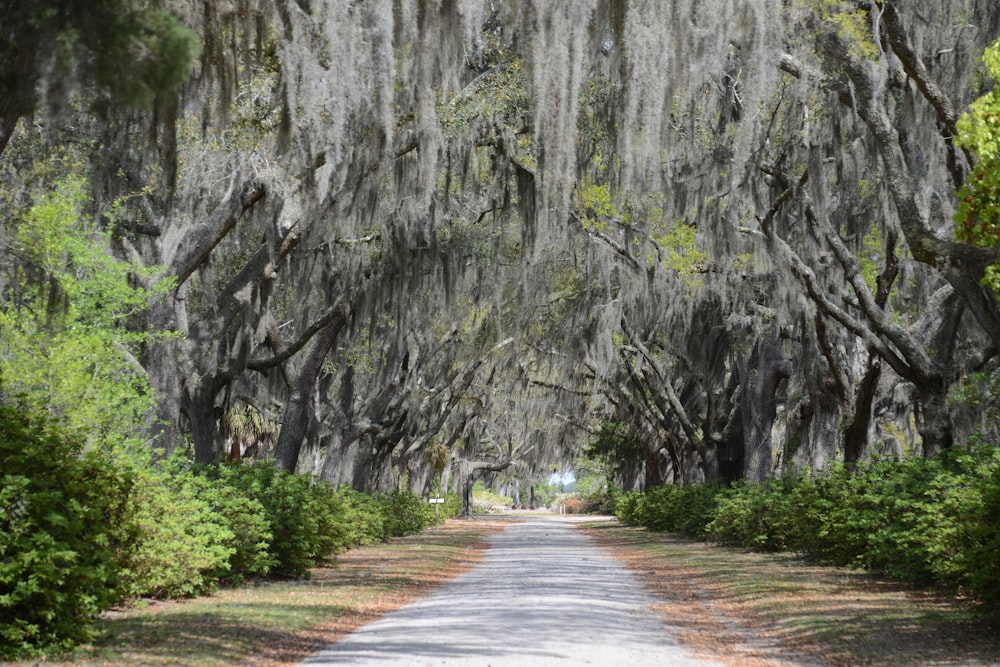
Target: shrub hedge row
(925, 522)
(79, 533)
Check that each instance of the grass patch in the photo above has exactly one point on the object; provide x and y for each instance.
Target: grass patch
(279, 623)
(768, 609)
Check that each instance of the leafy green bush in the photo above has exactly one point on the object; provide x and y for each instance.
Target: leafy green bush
(452, 506)
(755, 516)
(246, 520)
(980, 537)
(658, 511)
(306, 519)
(60, 519)
(363, 517)
(681, 509)
(696, 507)
(404, 513)
(926, 522)
(183, 545)
(628, 506)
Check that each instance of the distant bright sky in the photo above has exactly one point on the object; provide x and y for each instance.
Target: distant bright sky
(566, 477)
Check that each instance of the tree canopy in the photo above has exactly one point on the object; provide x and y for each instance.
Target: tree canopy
(714, 240)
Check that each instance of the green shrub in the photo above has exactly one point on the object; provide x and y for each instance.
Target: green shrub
(926, 522)
(980, 537)
(60, 520)
(658, 511)
(245, 518)
(673, 508)
(696, 507)
(363, 517)
(628, 506)
(755, 516)
(183, 546)
(404, 513)
(306, 520)
(452, 506)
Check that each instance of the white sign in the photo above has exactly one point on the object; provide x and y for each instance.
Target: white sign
(435, 500)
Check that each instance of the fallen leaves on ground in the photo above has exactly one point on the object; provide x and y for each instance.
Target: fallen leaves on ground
(765, 610)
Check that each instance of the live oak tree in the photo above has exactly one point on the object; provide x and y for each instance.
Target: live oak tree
(397, 226)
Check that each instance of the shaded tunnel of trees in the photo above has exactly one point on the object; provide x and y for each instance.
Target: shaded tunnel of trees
(398, 243)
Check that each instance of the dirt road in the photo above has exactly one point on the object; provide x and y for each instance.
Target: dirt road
(544, 595)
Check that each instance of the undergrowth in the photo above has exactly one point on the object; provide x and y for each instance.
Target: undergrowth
(925, 522)
(80, 531)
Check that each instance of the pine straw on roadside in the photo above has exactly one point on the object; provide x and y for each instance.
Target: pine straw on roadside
(764, 610)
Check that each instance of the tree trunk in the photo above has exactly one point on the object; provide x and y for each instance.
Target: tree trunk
(203, 419)
(764, 370)
(465, 478)
(295, 422)
(934, 418)
(857, 433)
(654, 476)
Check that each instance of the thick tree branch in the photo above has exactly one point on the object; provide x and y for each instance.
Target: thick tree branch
(264, 365)
(925, 246)
(221, 222)
(914, 67)
(560, 388)
(260, 267)
(807, 277)
(914, 353)
(607, 240)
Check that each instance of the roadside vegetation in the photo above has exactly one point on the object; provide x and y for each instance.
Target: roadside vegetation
(83, 531)
(927, 522)
(741, 607)
(280, 621)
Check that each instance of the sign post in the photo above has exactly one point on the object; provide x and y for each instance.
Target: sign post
(437, 504)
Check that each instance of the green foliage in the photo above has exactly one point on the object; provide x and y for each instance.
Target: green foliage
(977, 218)
(745, 515)
(679, 252)
(616, 446)
(363, 518)
(673, 508)
(60, 521)
(404, 513)
(182, 546)
(852, 23)
(499, 95)
(65, 347)
(244, 518)
(303, 518)
(452, 506)
(927, 522)
(871, 257)
(595, 205)
(139, 52)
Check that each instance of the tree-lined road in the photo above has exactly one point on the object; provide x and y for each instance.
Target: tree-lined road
(543, 595)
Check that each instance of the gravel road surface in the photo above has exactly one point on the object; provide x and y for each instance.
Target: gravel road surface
(544, 594)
